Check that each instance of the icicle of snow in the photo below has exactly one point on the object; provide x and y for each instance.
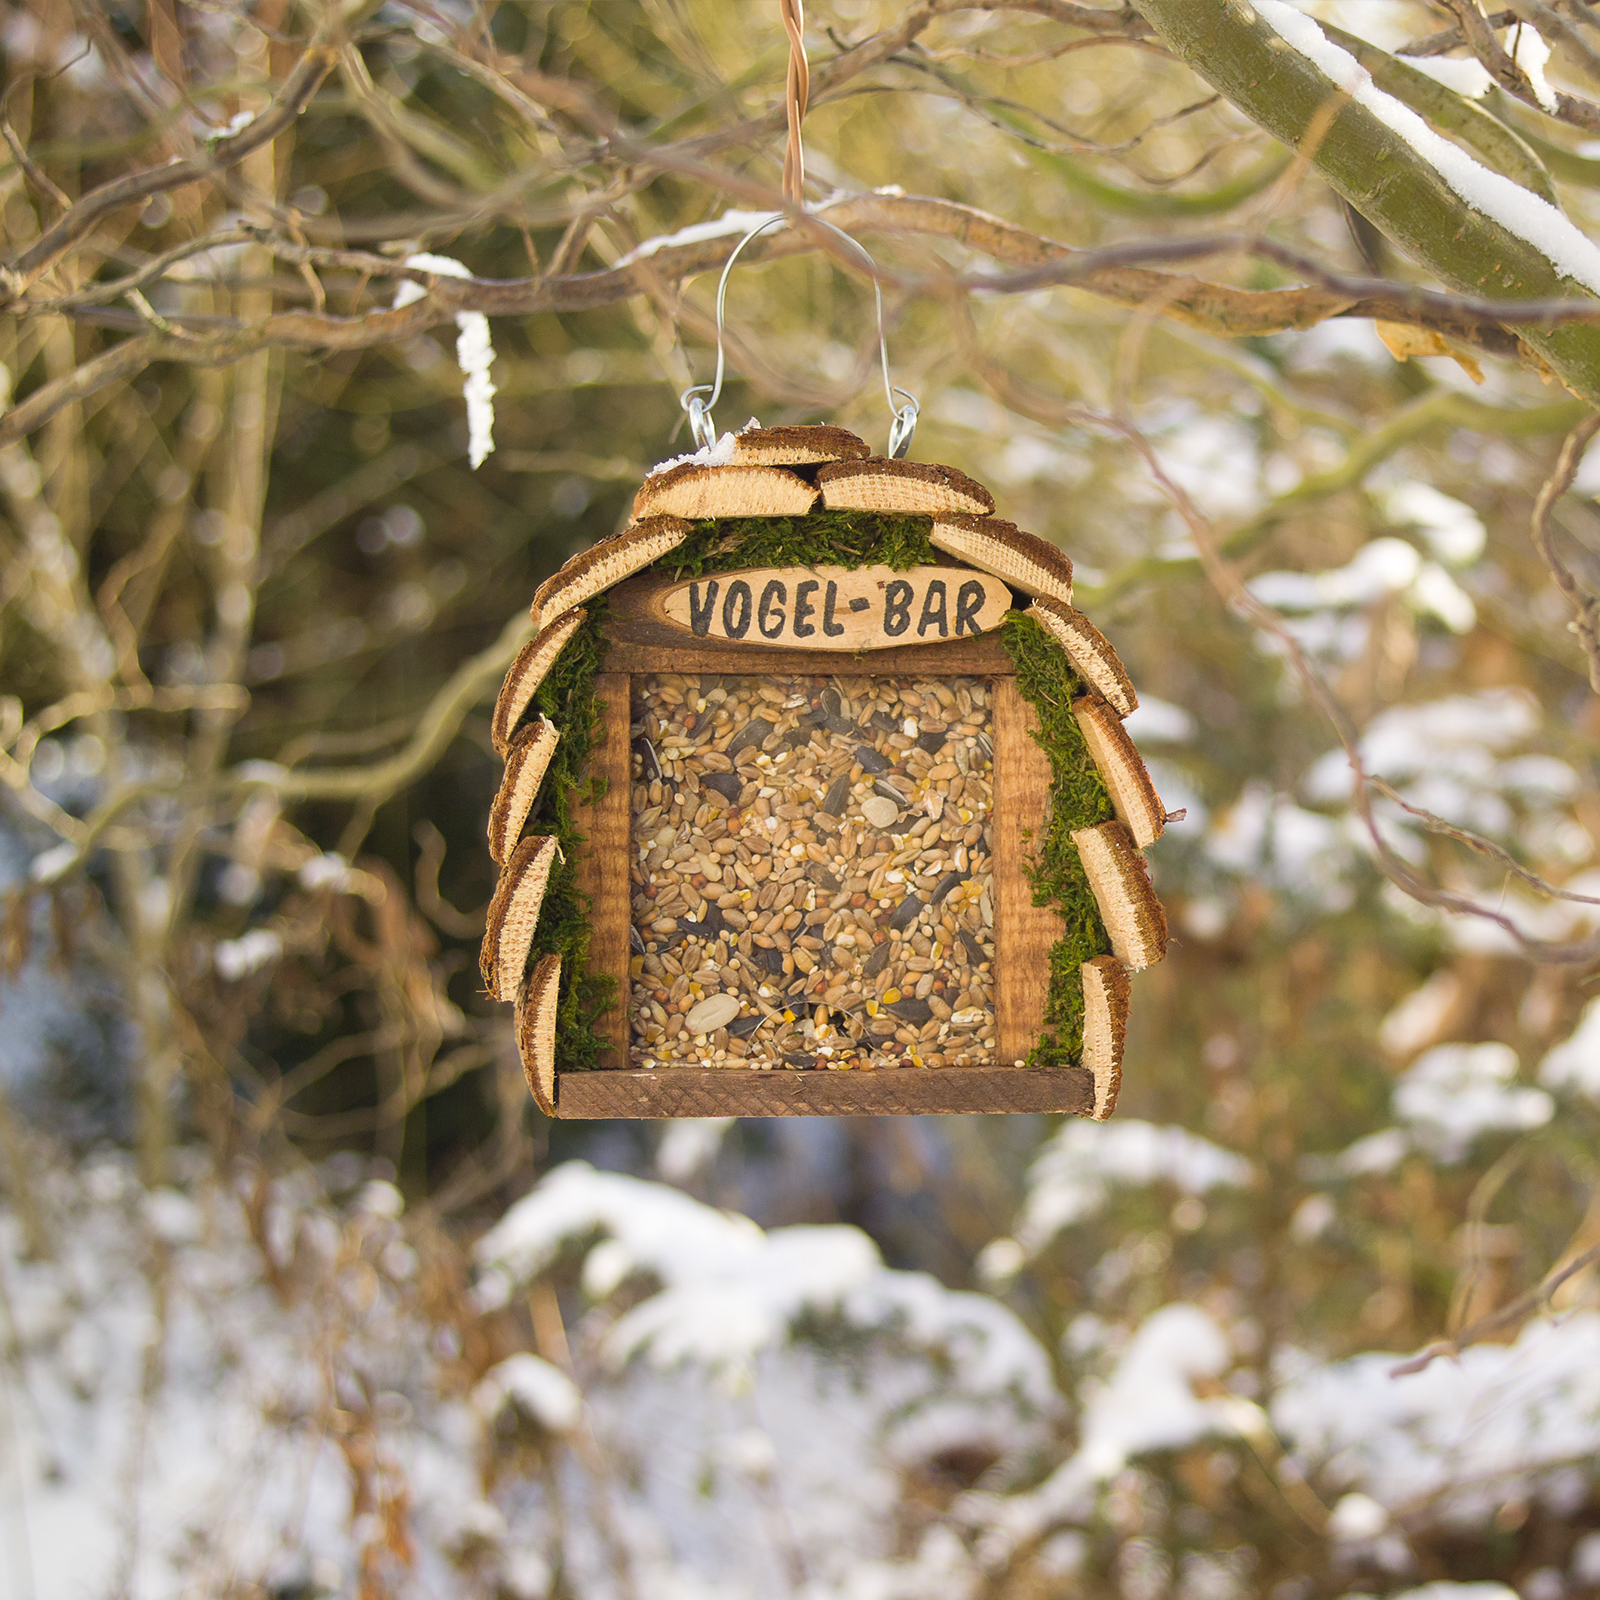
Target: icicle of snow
(1530, 52)
(474, 354)
(1530, 218)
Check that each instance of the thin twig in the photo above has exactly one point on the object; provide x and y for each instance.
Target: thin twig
(1586, 621)
(1507, 1316)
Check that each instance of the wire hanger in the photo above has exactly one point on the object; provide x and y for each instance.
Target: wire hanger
(798, 91)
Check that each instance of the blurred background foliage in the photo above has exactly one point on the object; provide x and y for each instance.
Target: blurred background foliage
(284, 558)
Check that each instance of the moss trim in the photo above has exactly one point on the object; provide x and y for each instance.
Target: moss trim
(1078, 799)
(847, 539)
(567, 697)
(850, 539)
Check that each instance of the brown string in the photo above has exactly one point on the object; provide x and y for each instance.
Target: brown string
(799, 91)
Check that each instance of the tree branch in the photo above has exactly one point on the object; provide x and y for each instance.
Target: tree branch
(286, 105)
(1232, 46)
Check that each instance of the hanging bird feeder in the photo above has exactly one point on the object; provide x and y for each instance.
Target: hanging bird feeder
(818, 799)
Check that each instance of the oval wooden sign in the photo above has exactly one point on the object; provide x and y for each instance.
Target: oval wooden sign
(834, 608)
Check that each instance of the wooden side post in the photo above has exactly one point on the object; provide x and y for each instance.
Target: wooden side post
(1024, 933)
(603, 862)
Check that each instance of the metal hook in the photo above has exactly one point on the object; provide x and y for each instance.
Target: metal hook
(704, 428)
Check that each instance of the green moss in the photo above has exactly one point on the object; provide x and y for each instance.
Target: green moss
(567, 697)
(1078, 799)
(834, 538)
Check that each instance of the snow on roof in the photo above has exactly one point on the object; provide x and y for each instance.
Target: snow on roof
(1516, 209)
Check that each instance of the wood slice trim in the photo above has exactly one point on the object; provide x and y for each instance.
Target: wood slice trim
(640, 639)
(697, 491)
(1120, 881)
(1127, 779)
(1022, 559)
(1106, 998)
(907, 488)
(1024, 933)
(1089, 651)
(927, 1091)
(526, 673)
(603, 565)
(796, 447)
(526, 762)
(605, 856)
(514, 915)
(536, 1031)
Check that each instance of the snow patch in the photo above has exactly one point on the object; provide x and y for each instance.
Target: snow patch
(1074, 1175)
(1522, 213)
(1470, 78)
(1575, 1063)
(541, 1392)
(238, 958)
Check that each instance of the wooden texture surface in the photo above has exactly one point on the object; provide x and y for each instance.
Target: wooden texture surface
(641, 640)
(603, 860)
(689, 1092)
(1023, 932)
(833, 608)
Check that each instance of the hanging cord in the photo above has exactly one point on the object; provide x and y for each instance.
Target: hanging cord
(798, 93)
(797, 96)
(701, 424)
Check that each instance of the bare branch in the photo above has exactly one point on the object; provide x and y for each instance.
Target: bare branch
(1508, 1316)
(286, 105)
(1586, 622)
(1504, 70)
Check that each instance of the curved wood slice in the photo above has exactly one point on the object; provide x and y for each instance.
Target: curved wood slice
(696, 491)
(1089, 651)
(602, 565)
(1106, 994)
(796, 447)
(536, 1031)
(526, 761)
(527, 672)
(915, 488)
(1126, 776)
(1121, 883)
(514, 914)
(1024, 560)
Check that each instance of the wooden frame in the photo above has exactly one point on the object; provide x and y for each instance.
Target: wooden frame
(639, 641)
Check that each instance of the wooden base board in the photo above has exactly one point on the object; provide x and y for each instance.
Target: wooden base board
(905, 1091)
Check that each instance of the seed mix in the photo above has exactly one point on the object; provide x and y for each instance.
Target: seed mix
(811, 879)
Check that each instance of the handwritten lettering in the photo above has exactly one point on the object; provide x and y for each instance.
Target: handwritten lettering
(838, 608)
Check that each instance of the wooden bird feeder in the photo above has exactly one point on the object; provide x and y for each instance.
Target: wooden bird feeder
(818, 801)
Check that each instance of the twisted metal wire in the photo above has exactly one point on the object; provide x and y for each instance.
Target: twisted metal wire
(798, 93)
